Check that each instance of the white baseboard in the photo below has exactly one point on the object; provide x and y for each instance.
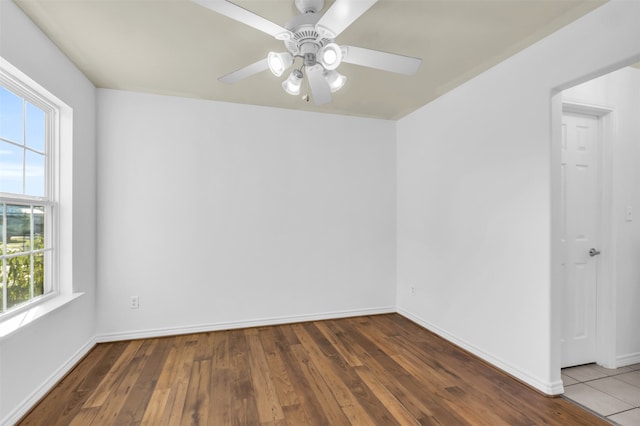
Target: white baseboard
(549, 388)
(202, 328)
(17, 413)
(629, 359)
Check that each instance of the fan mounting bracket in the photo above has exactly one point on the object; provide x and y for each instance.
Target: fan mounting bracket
(309, 6)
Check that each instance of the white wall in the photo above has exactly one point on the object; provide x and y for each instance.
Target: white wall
(620, 91)
(475, 211)
(33, 358)
(220, 215)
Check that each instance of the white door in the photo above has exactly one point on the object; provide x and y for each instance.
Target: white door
(580, 179)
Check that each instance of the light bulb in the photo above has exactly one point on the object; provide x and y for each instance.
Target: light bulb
(330, 57)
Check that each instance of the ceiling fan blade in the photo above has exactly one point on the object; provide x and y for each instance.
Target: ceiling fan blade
(340, 15)
(246, 17)
(392, 62)
(320, 90)
(245, 72)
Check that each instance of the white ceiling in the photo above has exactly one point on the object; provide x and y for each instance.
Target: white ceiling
(176, 47)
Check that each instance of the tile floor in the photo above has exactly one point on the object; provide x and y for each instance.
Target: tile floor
(613, 394)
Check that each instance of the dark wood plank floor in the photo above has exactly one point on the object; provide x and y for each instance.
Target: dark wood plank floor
(377, 370)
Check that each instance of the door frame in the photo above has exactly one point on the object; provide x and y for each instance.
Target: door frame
(606, 273)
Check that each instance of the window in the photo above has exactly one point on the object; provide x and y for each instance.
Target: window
(27, 193)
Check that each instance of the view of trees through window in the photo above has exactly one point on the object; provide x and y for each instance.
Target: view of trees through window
(22, 254)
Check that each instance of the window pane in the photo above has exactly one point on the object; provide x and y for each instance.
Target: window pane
(34, 174)
(38, 227)
(35, 127)
(11, 116)
(10, 168)
(18, 280)
(2, 272)
(38, 274)
(18, 229)
(1, 231)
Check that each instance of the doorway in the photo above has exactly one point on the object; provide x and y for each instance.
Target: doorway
(584, 234)
(580, 233)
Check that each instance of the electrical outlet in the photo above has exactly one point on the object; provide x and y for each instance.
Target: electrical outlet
(412, 290)
(134, 302)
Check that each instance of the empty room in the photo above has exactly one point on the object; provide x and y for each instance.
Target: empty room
(319, 212)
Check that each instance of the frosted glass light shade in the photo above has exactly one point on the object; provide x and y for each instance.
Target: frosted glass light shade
(279, 62)
(293, 83)
(331, 56)
(335, 80)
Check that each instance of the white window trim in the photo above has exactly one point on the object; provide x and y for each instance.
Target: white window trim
(59, 191)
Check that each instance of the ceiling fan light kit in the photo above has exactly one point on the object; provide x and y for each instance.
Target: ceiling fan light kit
(311, 37)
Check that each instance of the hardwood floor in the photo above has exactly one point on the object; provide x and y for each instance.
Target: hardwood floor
(377, 370)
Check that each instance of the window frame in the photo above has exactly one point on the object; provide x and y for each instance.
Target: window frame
(22, 86)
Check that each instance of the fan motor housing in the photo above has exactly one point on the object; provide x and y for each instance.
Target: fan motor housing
(305, 39)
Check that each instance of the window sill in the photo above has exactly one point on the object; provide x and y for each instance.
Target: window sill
(29, 316)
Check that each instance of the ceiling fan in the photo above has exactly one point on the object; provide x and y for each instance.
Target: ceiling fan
(311, 37)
